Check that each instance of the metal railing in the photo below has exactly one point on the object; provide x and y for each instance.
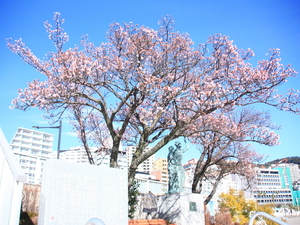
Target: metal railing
(268, 216)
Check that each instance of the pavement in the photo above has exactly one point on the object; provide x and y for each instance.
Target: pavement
(292, 220)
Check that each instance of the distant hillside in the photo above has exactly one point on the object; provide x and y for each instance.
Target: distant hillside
(294, 159)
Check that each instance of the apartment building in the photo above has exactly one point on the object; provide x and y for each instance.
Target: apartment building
(288, 170)
(145, 166)
(289, 174)
(32, 148)
(269, 188)
(78, 154)
(227, 183)
(160, 170)
(190, 167)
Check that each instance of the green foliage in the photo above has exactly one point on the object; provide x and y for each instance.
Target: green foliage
(25, 218)
(240, 208)
(294, 159)
(133, 198)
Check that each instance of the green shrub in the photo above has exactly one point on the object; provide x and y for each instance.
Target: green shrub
(132, 198)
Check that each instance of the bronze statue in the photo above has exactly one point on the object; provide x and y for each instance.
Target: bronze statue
(175, 169)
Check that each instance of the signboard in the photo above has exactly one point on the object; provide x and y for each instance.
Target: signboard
(72, 193)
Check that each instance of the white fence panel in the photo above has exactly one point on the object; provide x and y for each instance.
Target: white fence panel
(156, 187)
(11, 184)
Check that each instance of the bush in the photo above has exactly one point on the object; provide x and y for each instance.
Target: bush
(133, 199)
(28, 218)
(223, 217)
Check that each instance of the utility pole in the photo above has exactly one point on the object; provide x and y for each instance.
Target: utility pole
(59, 135)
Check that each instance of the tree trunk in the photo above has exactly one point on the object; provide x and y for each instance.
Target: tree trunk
(114, 153)
(199, 175)
(131, 176)
(213, 191)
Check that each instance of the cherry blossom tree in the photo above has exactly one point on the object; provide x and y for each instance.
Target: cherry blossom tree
(224, 147)
(230, 165)
(147, 86)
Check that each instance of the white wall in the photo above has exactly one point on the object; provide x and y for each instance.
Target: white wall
(11, 184)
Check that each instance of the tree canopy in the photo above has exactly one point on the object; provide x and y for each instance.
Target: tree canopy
(225, 150)
(240, 208)
(148, 87)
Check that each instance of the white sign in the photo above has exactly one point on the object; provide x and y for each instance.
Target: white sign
(73, 193)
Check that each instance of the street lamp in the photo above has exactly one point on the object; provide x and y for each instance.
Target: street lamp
(59, 136)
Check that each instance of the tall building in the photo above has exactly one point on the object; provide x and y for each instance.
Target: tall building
(32, 148)
(145, 166)
(290, 169)
(104, 159)
(224, 185)
(269, 188)
(190, 167)
(289, 174)
(79, 155)
(160, 169)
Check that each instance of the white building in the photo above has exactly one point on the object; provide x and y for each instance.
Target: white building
(79, 155)
(268, 188)
(227, 183)
(146, 166)
(104, 159)
(294, 170)
(32, 148)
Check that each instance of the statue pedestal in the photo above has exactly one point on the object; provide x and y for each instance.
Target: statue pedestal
(181, 208)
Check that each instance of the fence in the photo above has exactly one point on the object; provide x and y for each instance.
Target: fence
(156, 187)
(11, 184)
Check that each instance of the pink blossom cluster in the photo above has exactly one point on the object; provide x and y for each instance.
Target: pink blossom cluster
(152, 86)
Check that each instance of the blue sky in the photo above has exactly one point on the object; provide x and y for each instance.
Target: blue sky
(256, 24)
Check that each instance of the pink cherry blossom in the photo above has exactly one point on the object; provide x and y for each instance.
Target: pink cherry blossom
(148, 87)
